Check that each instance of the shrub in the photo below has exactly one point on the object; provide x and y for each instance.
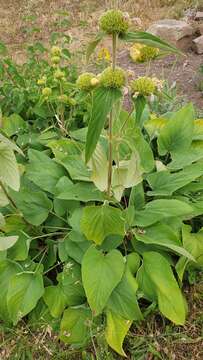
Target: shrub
(102, 221)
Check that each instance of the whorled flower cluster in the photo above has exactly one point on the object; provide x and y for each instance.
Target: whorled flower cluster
(146, 86)
(86, 81)
(112, 78)
(114, 22)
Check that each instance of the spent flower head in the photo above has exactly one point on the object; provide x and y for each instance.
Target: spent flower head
(114, 22)
(86, 81)
(142, 53)
(113, 78)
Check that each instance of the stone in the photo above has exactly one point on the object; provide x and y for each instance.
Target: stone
(200, 29)
(198, 45)
(199, 15)
(172, 30)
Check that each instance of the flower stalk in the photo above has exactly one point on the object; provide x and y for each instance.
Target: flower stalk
(110, 167)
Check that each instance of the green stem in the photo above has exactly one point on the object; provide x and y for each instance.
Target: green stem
(114, 43)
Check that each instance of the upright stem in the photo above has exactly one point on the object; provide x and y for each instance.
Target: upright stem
(114, 42)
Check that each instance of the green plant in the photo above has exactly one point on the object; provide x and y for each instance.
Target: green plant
(106, 221)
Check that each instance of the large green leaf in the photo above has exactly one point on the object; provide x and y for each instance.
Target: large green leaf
(43, 171)
(157, 210)
(14, 124)
(136, 141)
(100, 221)
(24, 291)
(74, 245)
(76, 167)
(63, 147)
(123, 299)
(150, 40)
(164, 235)
(7, 242)
(35, 206)
(9, 172)
(55, 299)
(177, 134)
(7, 270)
(102, 104)
(164, 183)
(75, 326)
(81, 191)
(193, 242)
(100, 275)
(126, 174)
(19, 251)
(71, 282)
(99, 167)
(116, 330)
(3, 198)
(182, 159)
(157, 282)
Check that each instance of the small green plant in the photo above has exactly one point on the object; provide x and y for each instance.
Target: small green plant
(104, 223)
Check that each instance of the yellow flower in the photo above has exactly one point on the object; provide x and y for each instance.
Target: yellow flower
(142, 53)
(104, 54)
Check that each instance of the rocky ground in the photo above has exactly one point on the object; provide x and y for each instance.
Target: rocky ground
(36, 20)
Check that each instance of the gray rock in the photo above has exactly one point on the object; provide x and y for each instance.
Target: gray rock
(199, 15)
(198, 44)
(171, 30)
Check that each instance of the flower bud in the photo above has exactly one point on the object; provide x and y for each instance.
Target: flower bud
(84, 81)
(94, 81)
